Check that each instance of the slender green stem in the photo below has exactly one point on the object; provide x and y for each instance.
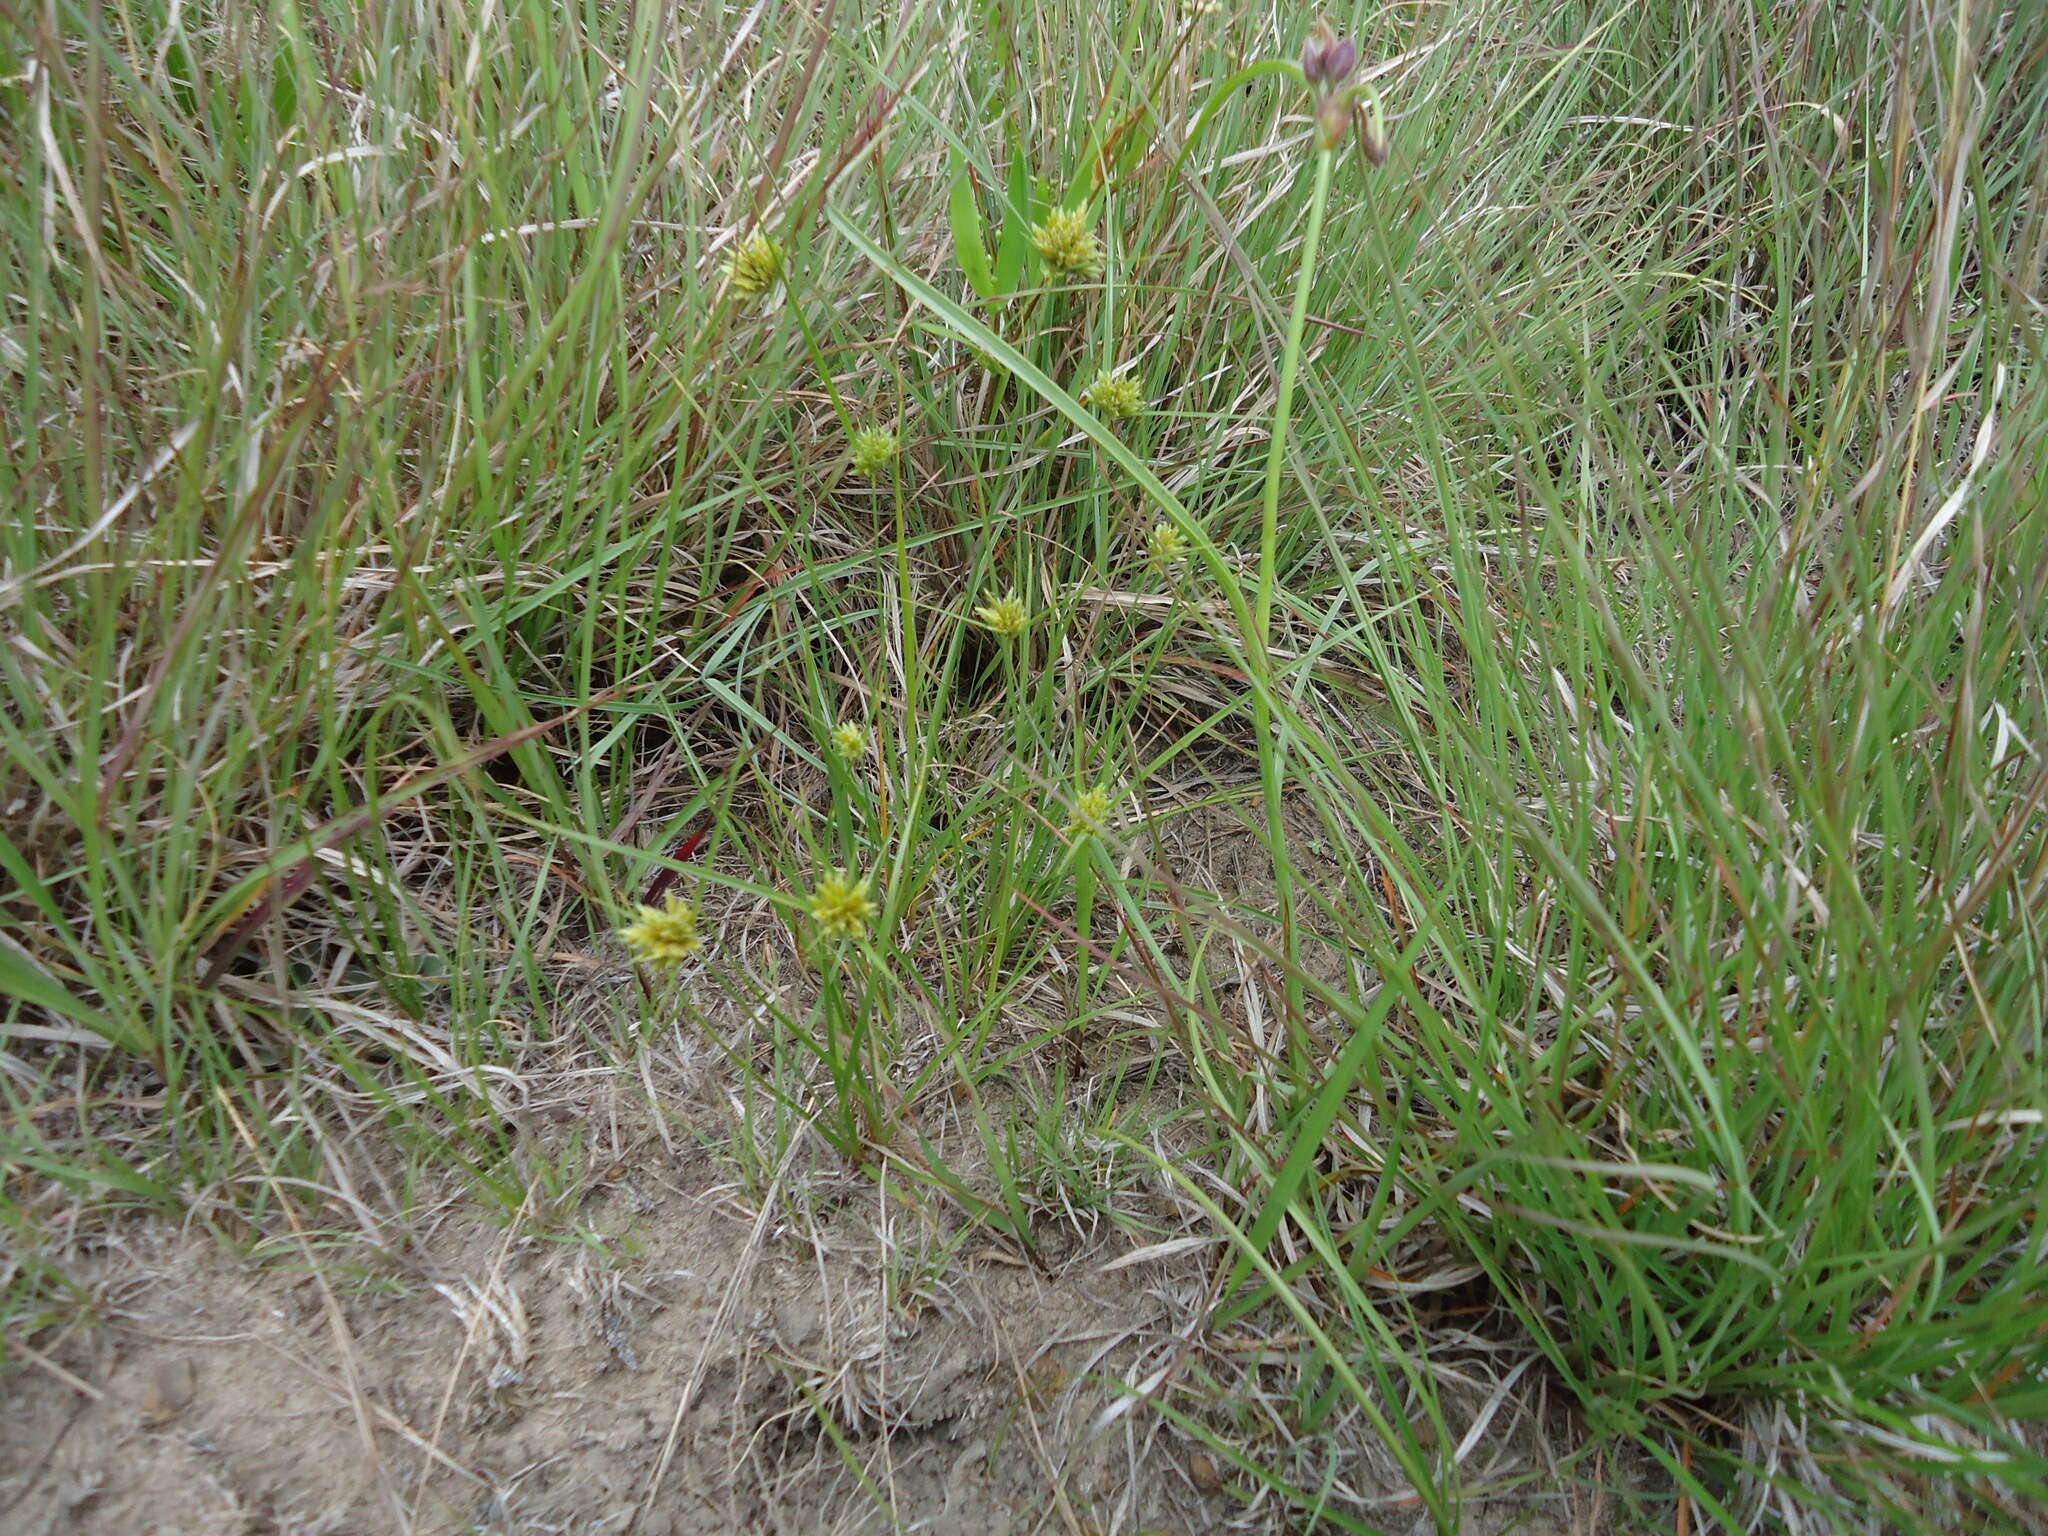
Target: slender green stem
(1272, 747)
(1084, 917)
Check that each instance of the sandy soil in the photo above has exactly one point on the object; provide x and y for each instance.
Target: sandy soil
(679, 1369)
(529, 1386)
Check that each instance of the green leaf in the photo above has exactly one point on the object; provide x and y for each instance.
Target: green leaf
(180, 74)
(1014, 244)
(284, 95)
(21, 977)
(964, 210)
(31, 885)
(1309, 1130)
(1225, 91)
(111, 1172)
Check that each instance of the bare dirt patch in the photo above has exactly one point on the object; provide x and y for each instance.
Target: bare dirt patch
(680, 1369)
(528, 1385)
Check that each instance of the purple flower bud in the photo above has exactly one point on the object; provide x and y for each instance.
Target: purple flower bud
(1312, 49)
(1327, 60)
(1340, 60)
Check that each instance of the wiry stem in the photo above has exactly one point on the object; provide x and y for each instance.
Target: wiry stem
(1272, 747)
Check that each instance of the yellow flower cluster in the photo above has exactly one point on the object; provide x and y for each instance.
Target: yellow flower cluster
(1006, 616)
(848, 739)
(1113, 396)
(874, 451)
(1166, 544)
(665, 935)
(841, 905)
(753, 267)
(1092, 808)
(1067, 245)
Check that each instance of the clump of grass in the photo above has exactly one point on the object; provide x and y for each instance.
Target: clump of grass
(1602, 558)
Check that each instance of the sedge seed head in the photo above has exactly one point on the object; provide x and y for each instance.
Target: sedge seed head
(665, 935)
(1067, 245)
(1092, 808)
(1114, 396)
(841, 905)
(1006, 616)
(848, 739)
(1166, 544)
(874, 451)
(753, 267)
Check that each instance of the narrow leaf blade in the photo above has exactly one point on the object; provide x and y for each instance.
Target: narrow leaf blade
(964, 211)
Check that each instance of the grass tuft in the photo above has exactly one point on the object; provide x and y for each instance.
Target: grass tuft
(1574, 513)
